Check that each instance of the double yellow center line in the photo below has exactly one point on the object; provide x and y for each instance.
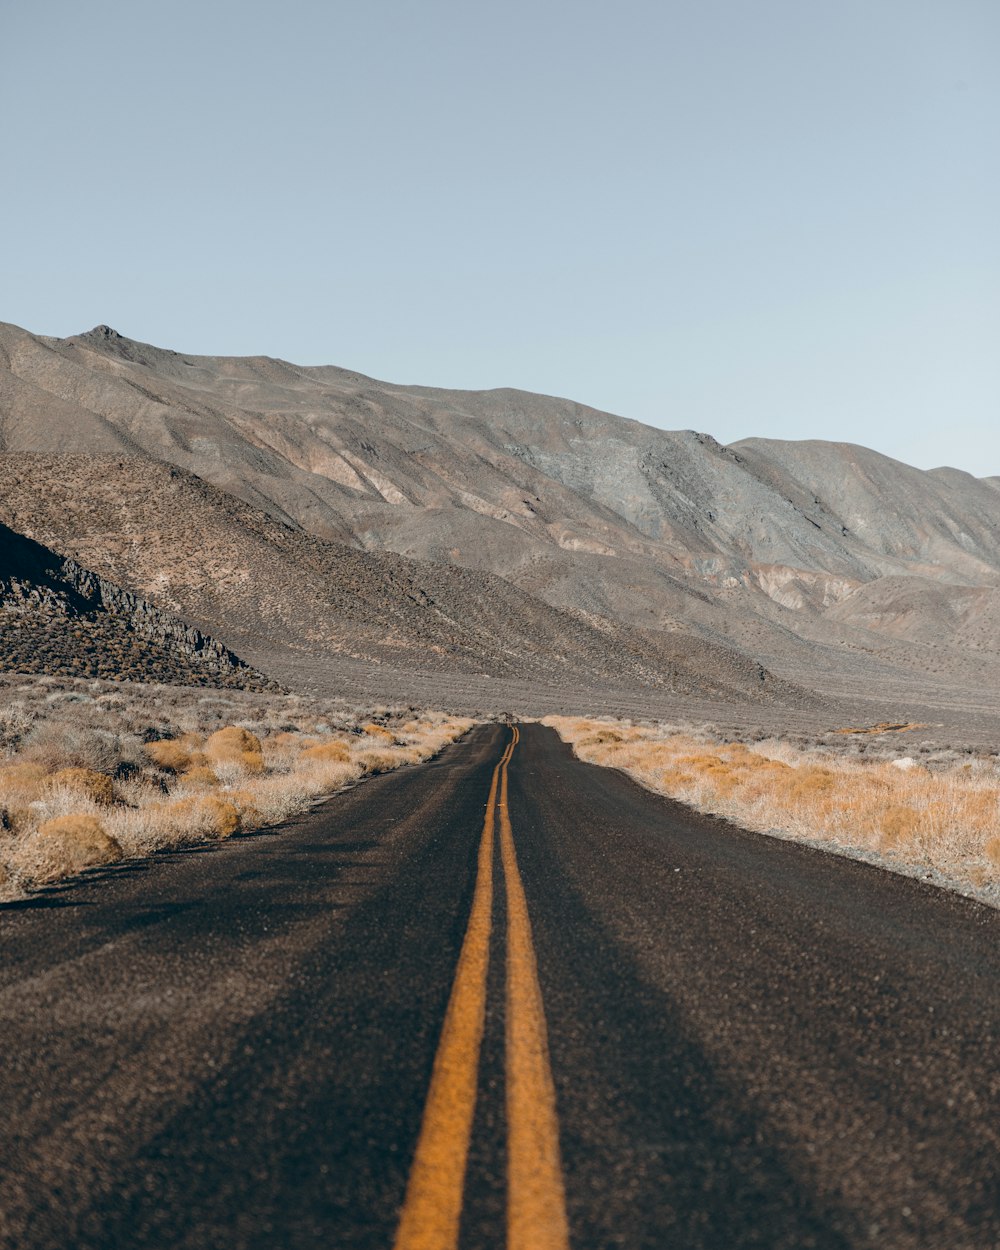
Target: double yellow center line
(536, 1204)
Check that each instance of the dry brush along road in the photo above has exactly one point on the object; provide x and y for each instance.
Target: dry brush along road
(505, 998)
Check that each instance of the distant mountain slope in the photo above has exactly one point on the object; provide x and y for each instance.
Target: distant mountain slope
(941, 523)
(268, 587)
(501, 479)
(610, 536)
(922, 610)
(61, 619)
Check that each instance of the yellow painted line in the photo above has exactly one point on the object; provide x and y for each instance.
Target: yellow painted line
(433, 1207)
(536, 1204)
(536, 1199)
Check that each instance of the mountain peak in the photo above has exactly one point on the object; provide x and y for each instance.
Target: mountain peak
(105, 338)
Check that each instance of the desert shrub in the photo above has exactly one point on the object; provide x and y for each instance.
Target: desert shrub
(148, 744)
(177, 822)
(282, 749)
(233, 774)
(809, 781)
(69, 844)
(327, 752)
(285, 744)
(22, 775)
(63, 743)
(235, 745)
(276, 798)
(201, 775)
(21, 785)
(231, 742)
(320, 777)
(168, 754)
(15, 722)
(600, 738)
(17, 819)
(374, 761)
(206, 815)
(98, 787)
(699, 762)
(246, 804)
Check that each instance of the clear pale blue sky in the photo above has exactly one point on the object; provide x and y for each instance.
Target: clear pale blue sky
(773, 217)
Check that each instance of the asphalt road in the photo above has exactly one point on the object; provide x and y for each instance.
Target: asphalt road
(573, 1015)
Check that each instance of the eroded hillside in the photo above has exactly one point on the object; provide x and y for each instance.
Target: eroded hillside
(540, 536)
(270, 588)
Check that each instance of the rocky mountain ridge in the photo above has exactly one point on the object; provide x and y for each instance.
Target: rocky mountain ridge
(59, 617)
(388, 466)
(804, 558)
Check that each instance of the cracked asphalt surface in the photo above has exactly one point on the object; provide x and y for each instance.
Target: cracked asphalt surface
(752, 1043)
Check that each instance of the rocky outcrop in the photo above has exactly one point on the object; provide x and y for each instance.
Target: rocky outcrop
(57, 616)
(149, 621)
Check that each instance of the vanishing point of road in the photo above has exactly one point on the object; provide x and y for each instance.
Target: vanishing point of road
(505, 999)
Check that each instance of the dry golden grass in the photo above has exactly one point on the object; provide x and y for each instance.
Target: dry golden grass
(189, 788)
(947, 820)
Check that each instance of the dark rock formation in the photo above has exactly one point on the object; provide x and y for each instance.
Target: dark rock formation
(58, 617)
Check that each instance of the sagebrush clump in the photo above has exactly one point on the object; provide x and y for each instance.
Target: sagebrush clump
(98, 787)
(65, 845)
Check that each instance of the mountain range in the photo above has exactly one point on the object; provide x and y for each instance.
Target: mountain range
(332, 528)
